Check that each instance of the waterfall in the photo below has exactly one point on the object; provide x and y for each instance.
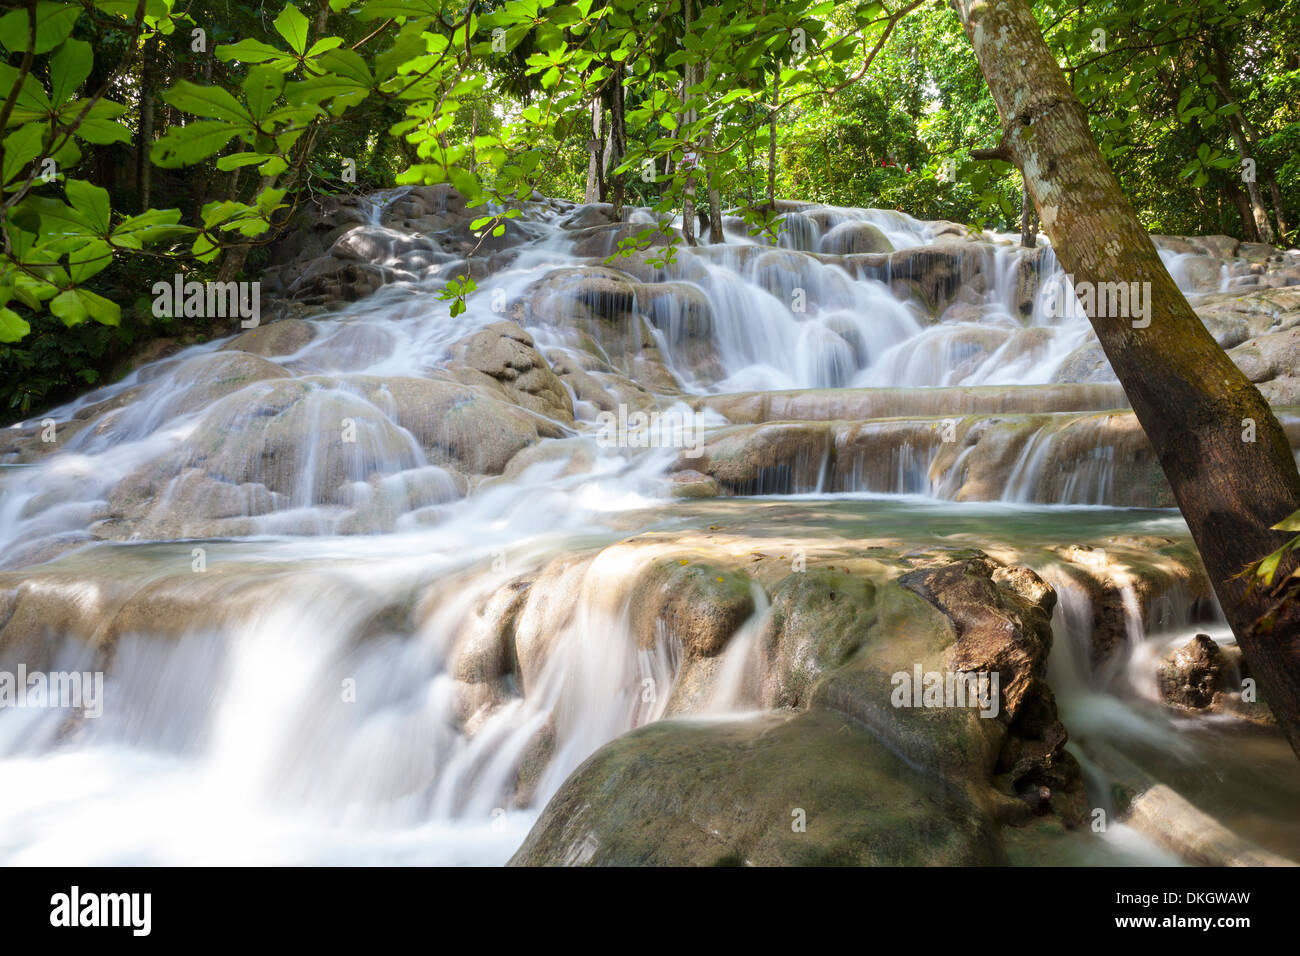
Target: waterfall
(366, 583)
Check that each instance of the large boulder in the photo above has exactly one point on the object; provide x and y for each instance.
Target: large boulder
(813, 790)
(505, 354)
(849, 238)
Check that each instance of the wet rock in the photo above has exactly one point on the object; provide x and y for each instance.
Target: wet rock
(819, 619)
(1271, 361)
(692, 484)
(1086, 364)
(600, 242)
(1002, 620)
(505, 353)
(589, 215)
(777, 458)
(681, 792)
(274, 339)
(812, 790)
(850, 238)
(699, 604)
(1199, 839)
(1193, 674)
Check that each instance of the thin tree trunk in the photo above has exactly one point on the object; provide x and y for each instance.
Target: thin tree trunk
(715, 201)
(144, 138)
(771, 140)
(618, 137)
(691, 163)
(1259, 212)
(1279, 211)
(595, 188)
(1193, 403)
(1249, 230)
(1240, 127)
(1028, 219)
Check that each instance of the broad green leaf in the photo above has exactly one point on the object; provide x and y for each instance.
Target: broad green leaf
(186, 145)
(92, 202)
(69, 67)
(54, 22)
(255, 51)
(236, 160)
(89, 260)
(292, 25)
(209, 101)
(101, 131)
(13, 327)
(21, 147)
(262, 87)
(76, 305)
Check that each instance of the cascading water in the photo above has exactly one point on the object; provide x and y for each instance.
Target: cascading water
(328, 532)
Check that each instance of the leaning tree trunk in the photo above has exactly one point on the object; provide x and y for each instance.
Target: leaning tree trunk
(1196, 407)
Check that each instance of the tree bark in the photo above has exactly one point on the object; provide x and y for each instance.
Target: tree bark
(715, 201)
(618, 137)
(1028, 219)
(144, 138)
(1192, 402)
(595, 185)
(1249, 231)
(771, 140)
(689, 162)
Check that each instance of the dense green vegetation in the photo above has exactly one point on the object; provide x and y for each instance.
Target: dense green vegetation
(148, 137)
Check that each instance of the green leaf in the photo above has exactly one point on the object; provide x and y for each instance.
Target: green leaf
(20, 148)
(237, 160)
(76, 305)
(152, 225)
(12, 326)
(89, 260)
(347, 64)
(292, 25)
(54, 22)
(255, 51)
(210, 101)
(186, 145)
(1290, 523)
(69, 68)
(101, 132)
(92, 202)
(262, 87)
(324, 45)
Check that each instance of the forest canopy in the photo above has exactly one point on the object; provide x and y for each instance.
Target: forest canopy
(148, 138)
